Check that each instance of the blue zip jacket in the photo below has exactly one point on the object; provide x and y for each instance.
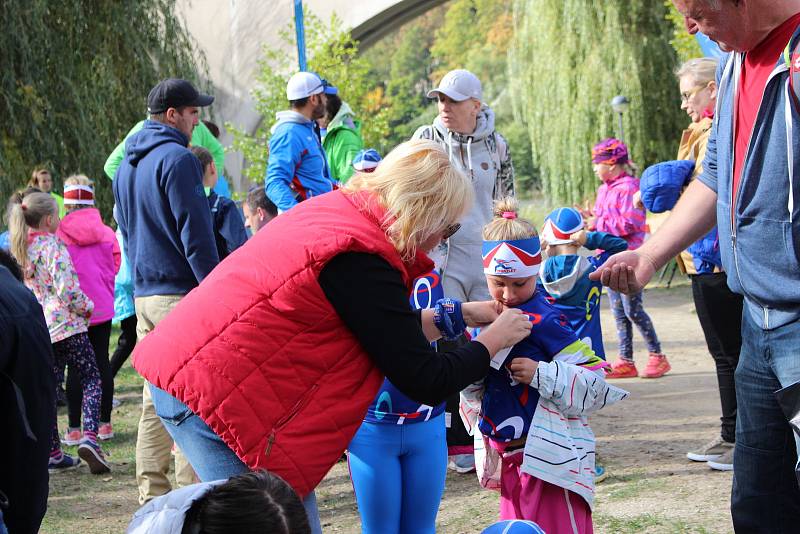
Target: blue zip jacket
(163, 213)
(760, 244)
(298, 168)
(565, 279)
(229, 230)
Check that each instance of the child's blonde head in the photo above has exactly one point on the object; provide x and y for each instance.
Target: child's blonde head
(506, 224)
(25, 214)
(422, 192)
(82, 180)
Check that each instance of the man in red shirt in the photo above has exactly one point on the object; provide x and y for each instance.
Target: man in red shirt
(747, 187)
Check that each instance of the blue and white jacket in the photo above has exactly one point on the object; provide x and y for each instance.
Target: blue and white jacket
(759, 231)
(565, 279)
(297, 168)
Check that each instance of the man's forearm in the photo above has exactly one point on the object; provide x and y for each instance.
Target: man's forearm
(693, 217)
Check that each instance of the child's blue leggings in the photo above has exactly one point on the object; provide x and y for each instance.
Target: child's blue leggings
(398, 474)
(629, 309)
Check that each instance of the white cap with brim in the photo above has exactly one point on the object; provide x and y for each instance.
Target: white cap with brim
(459, 85)
(303, 85)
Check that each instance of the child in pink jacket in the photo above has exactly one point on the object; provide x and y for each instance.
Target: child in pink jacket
(615, 213)
(96, 256)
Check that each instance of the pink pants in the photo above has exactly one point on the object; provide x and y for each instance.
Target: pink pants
(555, 509)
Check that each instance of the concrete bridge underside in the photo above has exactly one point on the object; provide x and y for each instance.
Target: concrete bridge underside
(232, 33)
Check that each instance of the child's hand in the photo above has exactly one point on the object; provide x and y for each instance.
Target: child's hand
(637, 200)
(523, 369)
(585, 210)
(579, 237)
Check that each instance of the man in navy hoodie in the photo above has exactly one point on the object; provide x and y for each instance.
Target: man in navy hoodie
(165, 222)
(748, 188)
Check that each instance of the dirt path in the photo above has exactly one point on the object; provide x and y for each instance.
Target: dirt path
(642, 442)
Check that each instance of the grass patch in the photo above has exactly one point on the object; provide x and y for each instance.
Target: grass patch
(627, 525)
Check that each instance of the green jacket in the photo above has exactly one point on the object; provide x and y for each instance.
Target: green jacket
(201, 136)
(342, 142)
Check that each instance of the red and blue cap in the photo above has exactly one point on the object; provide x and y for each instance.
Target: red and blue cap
(560, 224)
(366, 160)
(517, 258)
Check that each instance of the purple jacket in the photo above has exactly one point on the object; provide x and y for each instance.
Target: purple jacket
(615, 213)
(95, 253)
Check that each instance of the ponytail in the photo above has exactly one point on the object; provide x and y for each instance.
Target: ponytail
(506, 224)
(24, 213)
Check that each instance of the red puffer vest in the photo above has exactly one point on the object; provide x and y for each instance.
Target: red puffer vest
(259, 353)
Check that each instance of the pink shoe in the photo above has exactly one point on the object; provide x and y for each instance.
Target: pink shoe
(72, 437)
(657, 366)
(105, 431)
(623, 369)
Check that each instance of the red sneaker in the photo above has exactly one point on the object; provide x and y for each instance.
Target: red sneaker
(657, 366)
(72, 436)
(105, 431)
(623, 369)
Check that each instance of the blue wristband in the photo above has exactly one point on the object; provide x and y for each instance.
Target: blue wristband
(448, 318)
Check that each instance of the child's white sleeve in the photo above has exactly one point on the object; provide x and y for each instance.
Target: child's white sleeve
(574, 390)
(470, 406)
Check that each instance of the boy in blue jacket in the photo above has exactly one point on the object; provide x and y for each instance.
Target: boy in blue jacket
(565, 276)
(229, 231)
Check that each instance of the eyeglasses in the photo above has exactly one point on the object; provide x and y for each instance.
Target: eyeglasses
(686, 95)
(450, 230)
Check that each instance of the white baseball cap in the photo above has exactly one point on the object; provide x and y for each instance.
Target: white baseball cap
(459, 85)
(303, 85)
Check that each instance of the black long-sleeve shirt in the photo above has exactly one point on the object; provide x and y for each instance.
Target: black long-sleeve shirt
(372, 300)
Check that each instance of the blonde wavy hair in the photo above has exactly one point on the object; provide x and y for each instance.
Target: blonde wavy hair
(422, 192)
(510, 227)
(27, 213)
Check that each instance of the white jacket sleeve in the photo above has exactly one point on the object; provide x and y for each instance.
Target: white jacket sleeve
(576, 391)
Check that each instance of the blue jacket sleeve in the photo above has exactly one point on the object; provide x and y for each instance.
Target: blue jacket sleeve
(187, 200)
(285, 153)
(232, 229)
(610, 244)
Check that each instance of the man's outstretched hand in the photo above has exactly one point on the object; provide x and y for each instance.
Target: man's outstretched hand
(627, 272)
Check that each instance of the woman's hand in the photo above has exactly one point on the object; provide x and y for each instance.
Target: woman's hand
(509, 329)
(480, 314)
(637, 200)
(523, 369)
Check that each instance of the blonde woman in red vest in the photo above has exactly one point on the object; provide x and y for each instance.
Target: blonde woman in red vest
(308, 318)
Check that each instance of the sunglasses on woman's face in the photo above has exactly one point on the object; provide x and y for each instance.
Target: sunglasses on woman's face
(450, 230)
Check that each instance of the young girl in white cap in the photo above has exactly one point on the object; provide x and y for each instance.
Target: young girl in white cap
(534, 402)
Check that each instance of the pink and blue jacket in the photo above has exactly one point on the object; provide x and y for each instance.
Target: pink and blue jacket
(615, 213)
(95, 254)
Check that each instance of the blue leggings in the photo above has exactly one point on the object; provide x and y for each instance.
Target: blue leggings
(629, 309)
(398, 474)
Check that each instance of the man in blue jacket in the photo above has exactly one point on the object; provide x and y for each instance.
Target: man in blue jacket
(165, 223)
(752, 160)
(298, 169)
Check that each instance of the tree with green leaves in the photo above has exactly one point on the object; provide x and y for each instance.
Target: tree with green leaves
(333, 55)
(568, 59)
(684, 44)
(74, 77)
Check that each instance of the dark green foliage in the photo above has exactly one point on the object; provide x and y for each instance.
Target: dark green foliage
(569, 58)
(74, 79)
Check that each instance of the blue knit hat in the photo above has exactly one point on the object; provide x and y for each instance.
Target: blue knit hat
(514, 526)
(366, 160)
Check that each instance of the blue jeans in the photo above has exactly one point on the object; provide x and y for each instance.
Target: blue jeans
(765, 495)
(210, 457)
(398, 474)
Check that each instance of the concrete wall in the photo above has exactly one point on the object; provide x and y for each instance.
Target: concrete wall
(231, 34)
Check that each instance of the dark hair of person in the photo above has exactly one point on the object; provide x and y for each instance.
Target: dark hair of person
(332, 107)
(205, 157)
(251, 503)
(299, 103)
(8, 261)
(213, 128)
(162, 117)
(257, 198)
